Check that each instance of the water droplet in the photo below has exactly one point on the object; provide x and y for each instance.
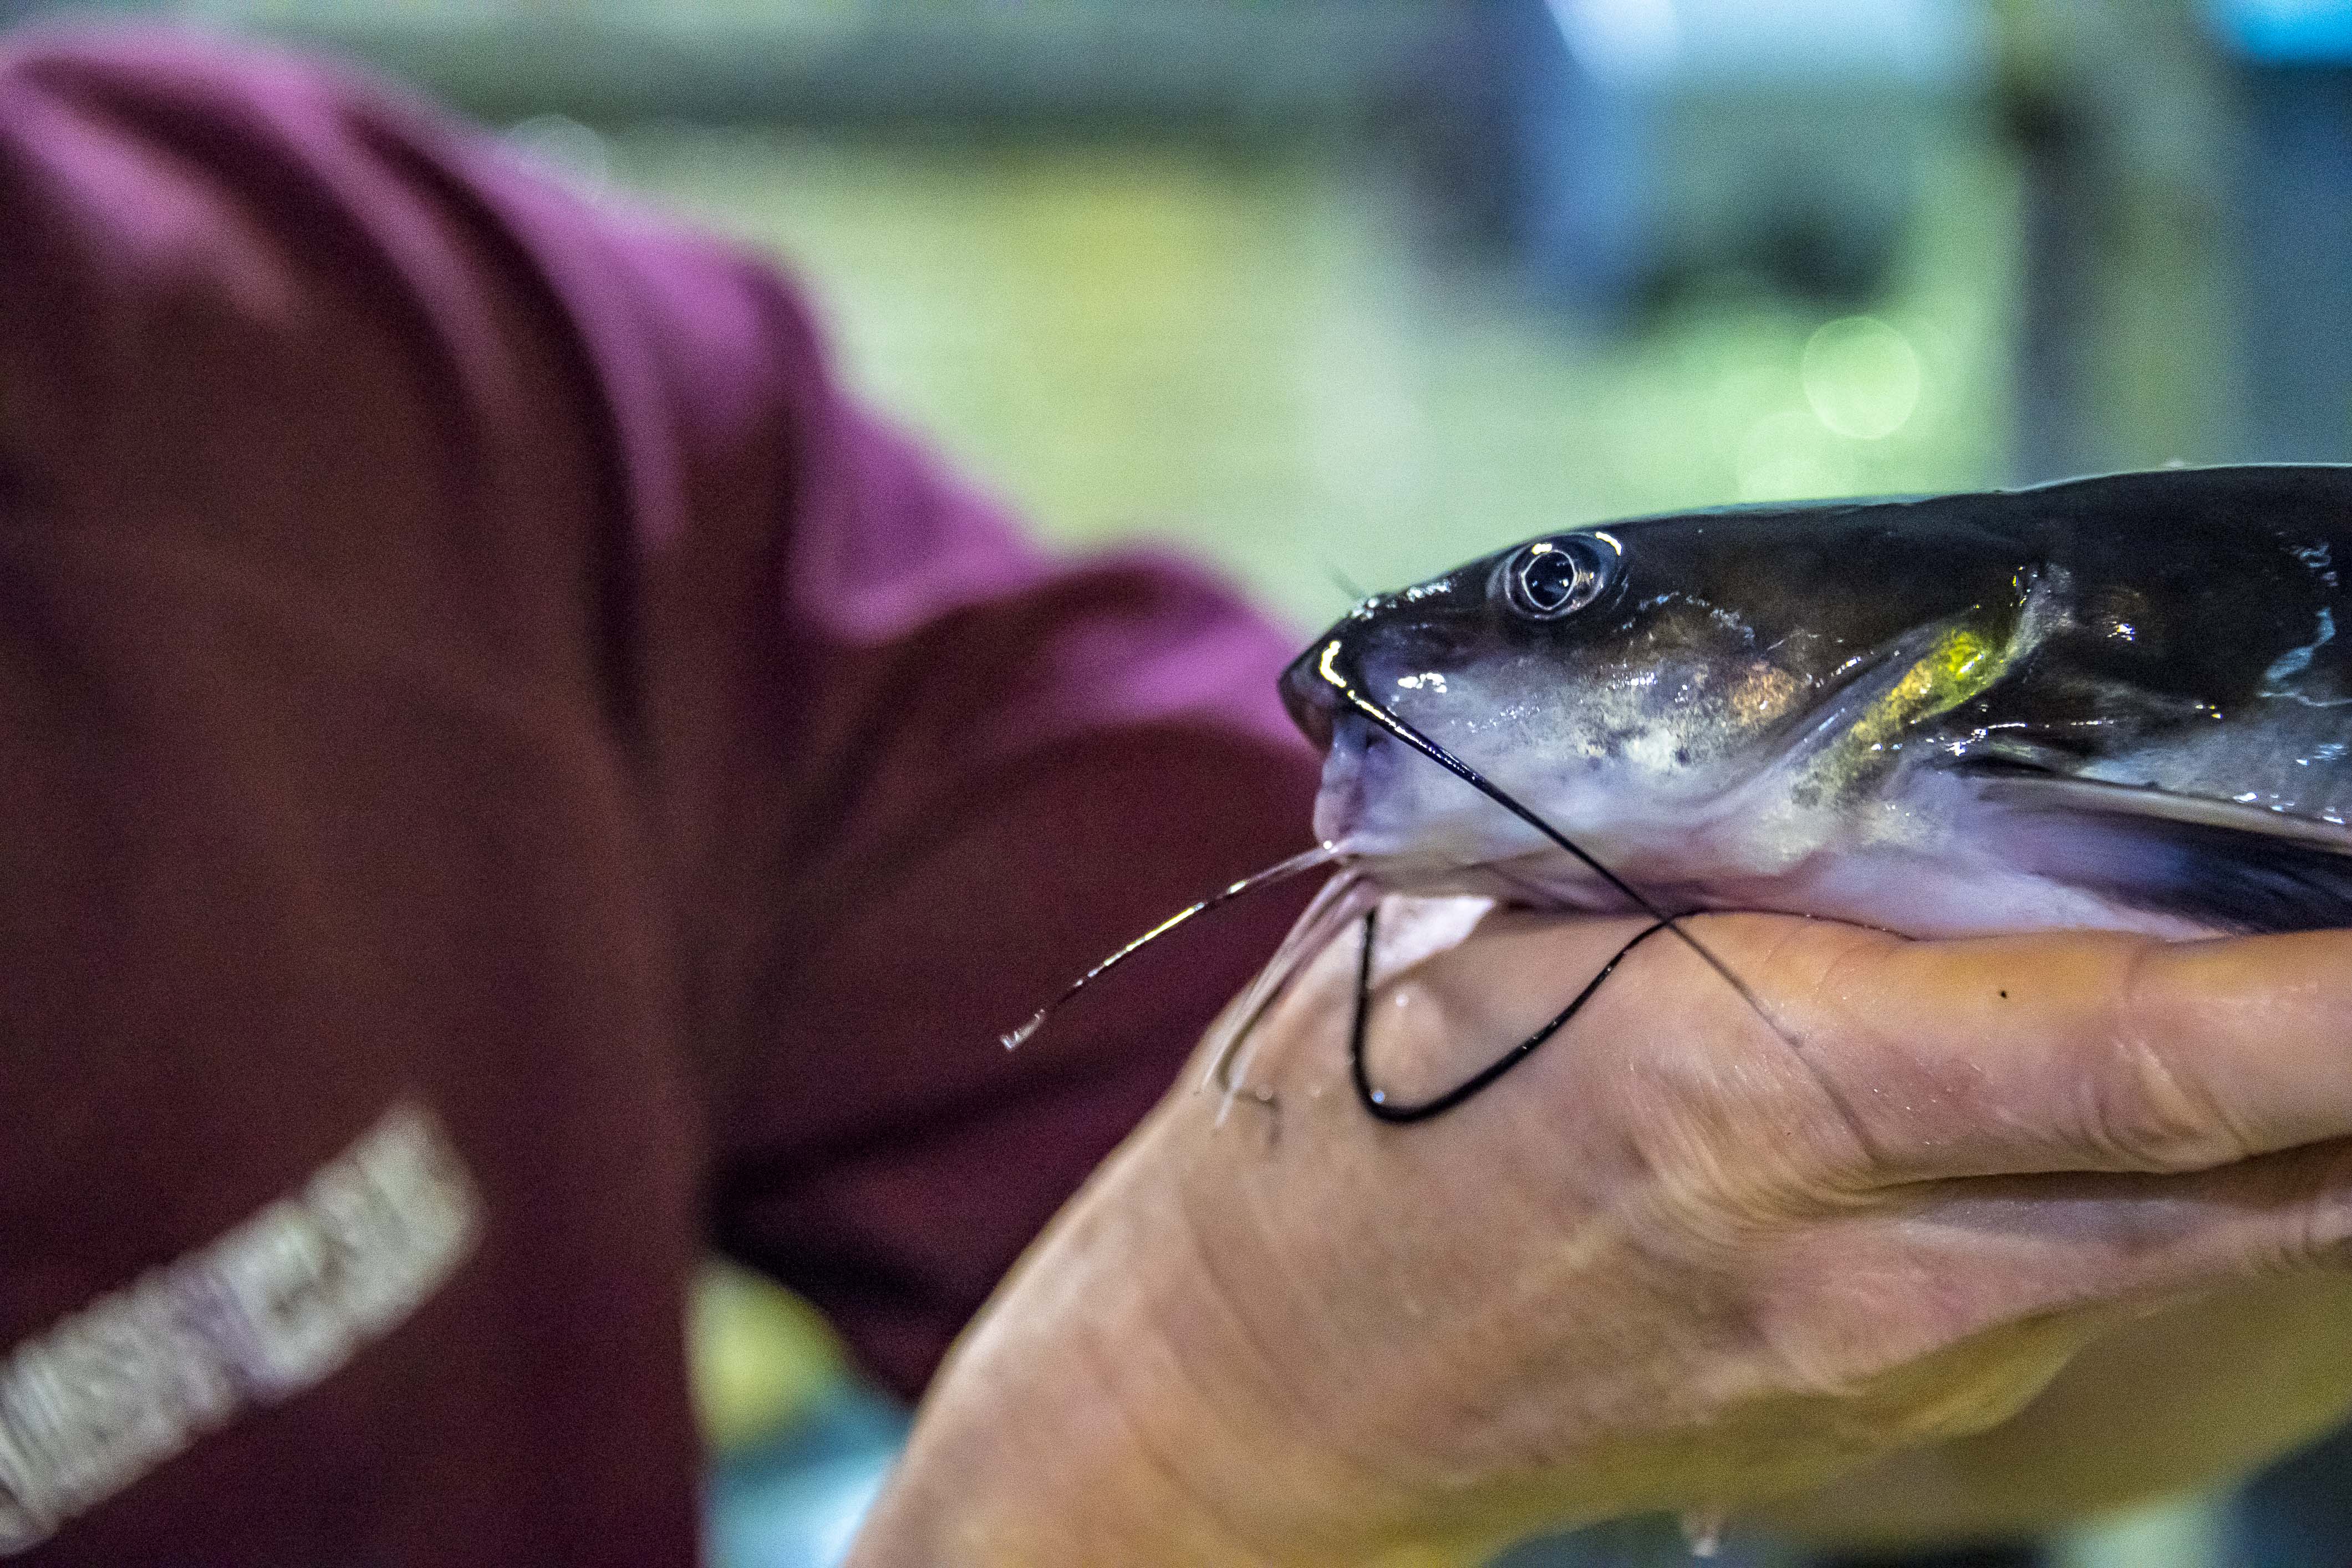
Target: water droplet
(1703, 1528)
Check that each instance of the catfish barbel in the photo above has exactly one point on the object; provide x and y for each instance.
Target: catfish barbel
(2116, 702)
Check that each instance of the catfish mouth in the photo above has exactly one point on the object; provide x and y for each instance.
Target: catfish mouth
(1397, 816)
(1353, 751)
(1372, 810)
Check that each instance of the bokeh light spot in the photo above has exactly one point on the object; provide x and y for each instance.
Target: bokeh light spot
(1862, 377)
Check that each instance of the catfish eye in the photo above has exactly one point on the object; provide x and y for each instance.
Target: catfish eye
(1554, 578)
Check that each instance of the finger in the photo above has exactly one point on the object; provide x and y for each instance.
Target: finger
(2059, 1052)
(1959, 1258)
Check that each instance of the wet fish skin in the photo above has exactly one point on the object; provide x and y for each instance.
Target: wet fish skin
(2113, 701)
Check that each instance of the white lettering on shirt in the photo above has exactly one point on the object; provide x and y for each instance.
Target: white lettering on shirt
(265, 1311)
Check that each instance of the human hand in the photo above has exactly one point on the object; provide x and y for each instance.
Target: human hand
(1673, 1261)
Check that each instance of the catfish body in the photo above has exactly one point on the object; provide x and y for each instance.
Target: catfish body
(2119, 701)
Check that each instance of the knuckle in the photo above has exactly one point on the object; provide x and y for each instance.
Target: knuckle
(1824, 1145)
(1834, 1155)
(2298, 1241)
(1841, 1148)
(2142, 1114)
(2140, 1111)
(2318, 1233)
(1765, 1127)
(1763, 1156)
(2305, 1243)
(1861, 1321)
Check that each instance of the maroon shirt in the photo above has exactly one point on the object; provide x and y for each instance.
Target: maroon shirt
(507, 778)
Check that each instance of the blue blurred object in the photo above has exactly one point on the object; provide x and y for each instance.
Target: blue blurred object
(2297, 1512)
(1647, 143)
(2284, 31)
(796, 1502)
(2290, 193)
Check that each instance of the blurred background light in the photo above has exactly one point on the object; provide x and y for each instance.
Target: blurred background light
(1862, 377)
(2287, 29)
(1621, 40)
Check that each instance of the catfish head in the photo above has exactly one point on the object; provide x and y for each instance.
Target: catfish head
(2113, 702)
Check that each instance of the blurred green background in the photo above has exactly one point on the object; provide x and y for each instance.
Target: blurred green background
(1338, 294)
(1250, 351)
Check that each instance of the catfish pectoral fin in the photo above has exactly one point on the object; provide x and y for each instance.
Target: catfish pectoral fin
(2224, 864)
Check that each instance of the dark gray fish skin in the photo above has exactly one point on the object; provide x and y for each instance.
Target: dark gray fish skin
(2113, 701)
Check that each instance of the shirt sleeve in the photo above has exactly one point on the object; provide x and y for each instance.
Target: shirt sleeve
(894, 772)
